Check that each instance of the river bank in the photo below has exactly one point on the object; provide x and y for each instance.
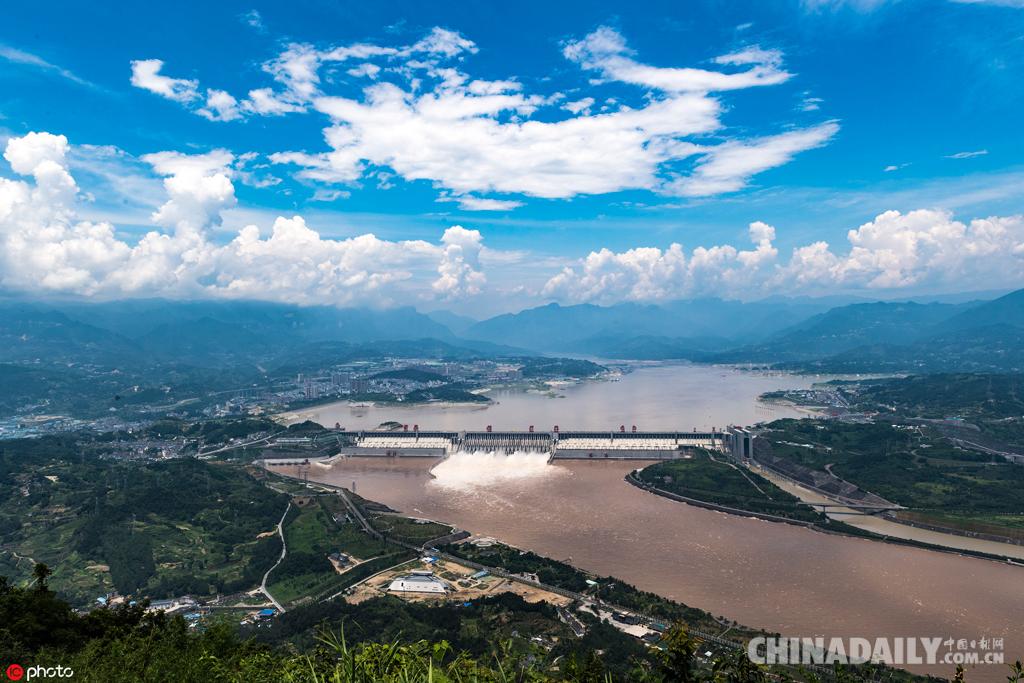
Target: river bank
(841, 528)
(888, 530)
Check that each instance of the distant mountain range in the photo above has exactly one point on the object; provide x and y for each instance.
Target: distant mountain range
(828, 334)
(141, 332)
(833, 334)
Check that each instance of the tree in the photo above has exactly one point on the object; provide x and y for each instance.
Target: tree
(39, 573)
(737, 668)
(677, 659)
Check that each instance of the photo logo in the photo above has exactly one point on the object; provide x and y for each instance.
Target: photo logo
(16, 672)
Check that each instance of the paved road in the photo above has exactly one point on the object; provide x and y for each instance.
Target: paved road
(233, 446)
(284, 552)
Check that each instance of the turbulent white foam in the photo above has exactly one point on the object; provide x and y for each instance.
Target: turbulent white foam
(464, 470)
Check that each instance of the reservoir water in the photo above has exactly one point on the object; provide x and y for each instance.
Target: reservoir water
(652, 396)
(776, 576)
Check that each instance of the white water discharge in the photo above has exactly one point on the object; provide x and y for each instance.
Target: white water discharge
(470, 470)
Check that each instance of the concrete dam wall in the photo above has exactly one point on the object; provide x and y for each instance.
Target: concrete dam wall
(558, 445)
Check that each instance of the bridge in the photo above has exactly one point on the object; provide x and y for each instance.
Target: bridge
(621, 444)
(862, 508)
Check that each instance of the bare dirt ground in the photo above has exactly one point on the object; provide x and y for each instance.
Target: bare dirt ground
(463, 587)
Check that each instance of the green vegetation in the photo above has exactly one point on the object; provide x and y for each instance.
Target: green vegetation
(470, 627)
(311, 534)
(938, 396)
(567, 577)
(159, 529)
(383, 640)
(410, 374)
(546, 368)
(452, 393)
(990, 406)
(720, 483)
(212, 431)
(1009, 525)
(902, 465)
(906, 465)
(416, 531)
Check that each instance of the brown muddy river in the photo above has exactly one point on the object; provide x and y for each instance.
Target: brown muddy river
(776, 576)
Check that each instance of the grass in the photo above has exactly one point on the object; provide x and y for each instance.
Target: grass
(410, 530)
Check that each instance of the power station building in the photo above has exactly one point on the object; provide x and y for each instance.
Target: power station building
(741, 443)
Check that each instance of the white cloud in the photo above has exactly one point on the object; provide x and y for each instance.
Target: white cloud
(45, 247)
(266, 102)
(999, 3)
(968, 155)
(458, 141)
(364, 70)
(810, 103)
(459, 270)
(605, 50)
(834, 5)
(579, 106)
(896, 251)
(254, 20)
(429, 120)
(13, 54)
(728, 167)
(441, 41)
(470, 203)
(146, 75)
(220, 106)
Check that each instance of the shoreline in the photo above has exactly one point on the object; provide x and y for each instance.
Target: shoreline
(290, 417)
(631, 479)
(948, 542)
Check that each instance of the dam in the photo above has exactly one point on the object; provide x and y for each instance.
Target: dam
(559, 445)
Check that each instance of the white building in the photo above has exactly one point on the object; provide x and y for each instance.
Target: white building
(419, 582)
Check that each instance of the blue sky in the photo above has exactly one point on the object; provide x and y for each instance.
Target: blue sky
(593, 151)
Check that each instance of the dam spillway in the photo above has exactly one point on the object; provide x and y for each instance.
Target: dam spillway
(557, 444)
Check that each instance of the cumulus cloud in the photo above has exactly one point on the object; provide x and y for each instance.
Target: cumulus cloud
(413, 110)
(45, 247)
(459, 270)
(220, 106)
(146, 75)
(895, 251)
